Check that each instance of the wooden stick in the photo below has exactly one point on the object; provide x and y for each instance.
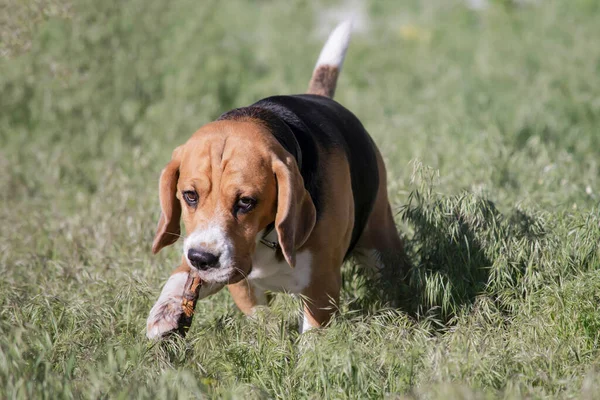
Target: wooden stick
(190, 297)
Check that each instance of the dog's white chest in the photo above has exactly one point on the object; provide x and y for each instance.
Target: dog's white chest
(268, 273)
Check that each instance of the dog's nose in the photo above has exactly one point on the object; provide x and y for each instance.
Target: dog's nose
(202, 260)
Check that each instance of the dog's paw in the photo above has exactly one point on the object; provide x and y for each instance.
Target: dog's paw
(166, 315)
(164, 318)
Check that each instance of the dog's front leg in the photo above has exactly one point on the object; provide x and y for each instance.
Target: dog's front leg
(247, 296)
(175, 306)
(322, 295)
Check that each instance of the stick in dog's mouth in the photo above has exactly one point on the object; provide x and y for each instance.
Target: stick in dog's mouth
(188, 303)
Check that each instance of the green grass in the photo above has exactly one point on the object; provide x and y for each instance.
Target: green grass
(488, 121)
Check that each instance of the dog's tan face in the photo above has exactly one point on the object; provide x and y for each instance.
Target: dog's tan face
(227, 183)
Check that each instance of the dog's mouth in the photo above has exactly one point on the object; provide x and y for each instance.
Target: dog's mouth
(227, 276)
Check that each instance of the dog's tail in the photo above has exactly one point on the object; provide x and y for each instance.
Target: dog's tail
(330, 61)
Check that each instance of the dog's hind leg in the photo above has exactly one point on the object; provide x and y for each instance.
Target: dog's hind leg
(380, 248)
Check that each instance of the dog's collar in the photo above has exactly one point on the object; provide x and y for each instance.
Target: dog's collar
(272, 244)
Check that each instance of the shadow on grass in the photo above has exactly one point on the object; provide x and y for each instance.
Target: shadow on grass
(449, 248)
(462, 247)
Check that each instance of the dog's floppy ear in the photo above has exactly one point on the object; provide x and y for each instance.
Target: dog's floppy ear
(296, 214)
(168, 231)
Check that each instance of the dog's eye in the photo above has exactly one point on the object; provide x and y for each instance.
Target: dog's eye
(190, 197)
(245, 204)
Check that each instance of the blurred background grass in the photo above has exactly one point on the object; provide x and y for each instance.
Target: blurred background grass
(487, 115)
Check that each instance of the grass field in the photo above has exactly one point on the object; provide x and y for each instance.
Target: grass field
(488, 119)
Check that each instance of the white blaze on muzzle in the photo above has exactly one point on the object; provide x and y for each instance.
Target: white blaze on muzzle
(214, 240)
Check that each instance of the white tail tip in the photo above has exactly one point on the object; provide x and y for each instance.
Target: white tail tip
(334, 51)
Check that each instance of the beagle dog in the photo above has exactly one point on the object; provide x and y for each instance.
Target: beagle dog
(274, 197)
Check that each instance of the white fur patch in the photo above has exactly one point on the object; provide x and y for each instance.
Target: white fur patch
(213, 240)
(306, 326)
(334, 51)
(268, 273)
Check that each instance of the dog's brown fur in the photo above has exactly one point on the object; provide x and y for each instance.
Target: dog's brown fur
(226, 159)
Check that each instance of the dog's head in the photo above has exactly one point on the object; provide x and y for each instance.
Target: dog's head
(228, 183)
